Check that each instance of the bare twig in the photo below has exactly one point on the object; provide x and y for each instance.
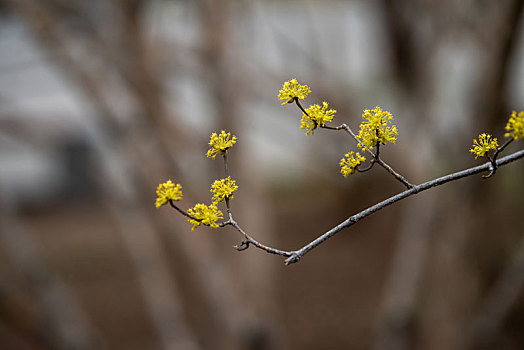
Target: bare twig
(226, 168)
(300, 106)
(250, 240)
(247, 238)
(383, 164)
(488, 321)
(174, 206)
(373, 161)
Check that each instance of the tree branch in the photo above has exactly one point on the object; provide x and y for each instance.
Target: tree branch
(295, 255)
(414, 190)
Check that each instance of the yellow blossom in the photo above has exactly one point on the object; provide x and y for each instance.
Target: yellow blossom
(374, 129)
(350, 162)
(484, 144)
(315, 116)
(168, 191)
(204, 215)
(220, 143)
(223, 189)
(291, 90)
(515, 126)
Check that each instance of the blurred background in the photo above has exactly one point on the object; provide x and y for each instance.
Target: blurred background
(102, 100)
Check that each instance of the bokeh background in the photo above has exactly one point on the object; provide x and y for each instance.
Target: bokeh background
(102, 100)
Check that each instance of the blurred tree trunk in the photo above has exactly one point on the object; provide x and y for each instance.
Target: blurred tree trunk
(493, 28)
(228, 89)
(58, 321)
(145, 148)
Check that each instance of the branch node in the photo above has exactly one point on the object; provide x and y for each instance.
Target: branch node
(492, 169)
(292, 259)
(242, 246)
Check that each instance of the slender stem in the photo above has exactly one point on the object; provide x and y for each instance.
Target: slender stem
(376, 158)
(377, 155)
(395, 174)
(250, 240)
(226, 168)
(226, 171)
(174, 206)
(346, 128)
(383, 164)
(228, 208)
(501, 148)
(366, 169)
(494, 159)
(300, 106)
(373, 160)
(306, 113)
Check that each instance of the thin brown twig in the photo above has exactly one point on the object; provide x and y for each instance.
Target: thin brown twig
(226, 168)
(375, 158)
(493, 159)
(250, 240)
(297, 102)
(372, 162)
(174, 206)
(378, 160)
(247, 240)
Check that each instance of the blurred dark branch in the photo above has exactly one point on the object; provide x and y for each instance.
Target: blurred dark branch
(63, 324)
(397, 322)
(498, 303)
(502, 41)
(401, 34)
(20, 318)
(160, 289)
(218, 41)
(132, 62)
(150, 140)
(44, 24)
(157, 288)
(493, 27)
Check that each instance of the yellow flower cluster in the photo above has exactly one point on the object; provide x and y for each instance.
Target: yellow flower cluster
(374, 129)
(484, 144)
(204, 215)
(223, 189)
(515, 126)
(350, 162)
(168, 191)
(292, 90)
(315, 116)
(220, 143)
